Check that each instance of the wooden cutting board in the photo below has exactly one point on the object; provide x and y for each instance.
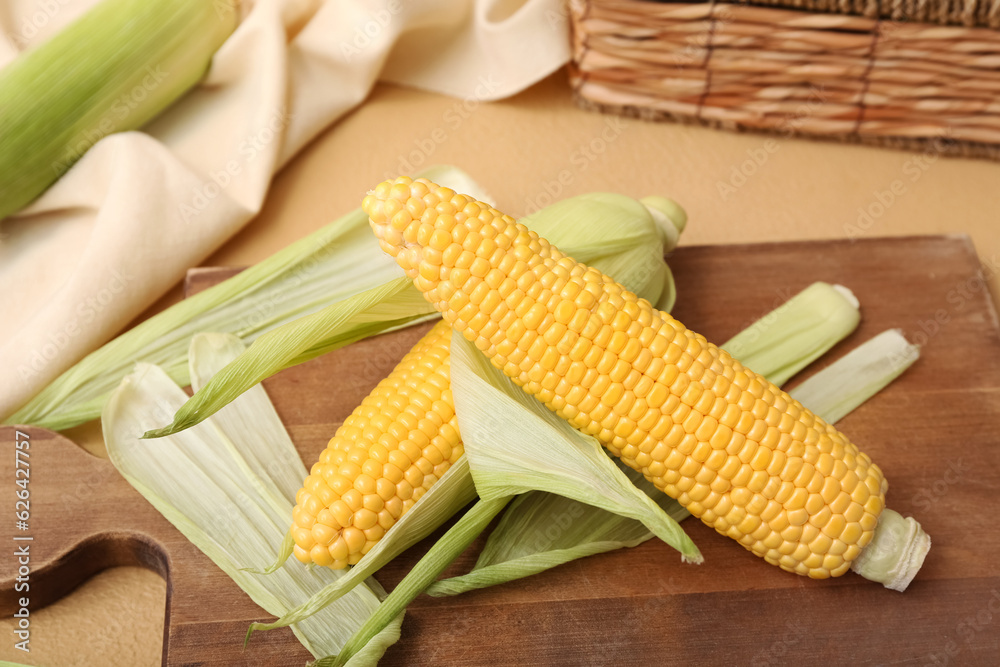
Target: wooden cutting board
(934, 432)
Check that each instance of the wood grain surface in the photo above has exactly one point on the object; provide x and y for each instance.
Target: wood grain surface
(933, 432)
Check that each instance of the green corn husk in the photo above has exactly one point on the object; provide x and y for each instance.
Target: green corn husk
(784, 341)
(643, 231)
(541, 530)
(382, 308)
(113, 69)
(444, 551)
(844, 385)
(629, 241)
(326, 267)
(515, 445)
(227, 486)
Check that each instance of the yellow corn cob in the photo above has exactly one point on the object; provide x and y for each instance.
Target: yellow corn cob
(730, 446)
(388, 452)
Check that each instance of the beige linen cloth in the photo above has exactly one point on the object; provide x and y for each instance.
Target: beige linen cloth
(140, 208)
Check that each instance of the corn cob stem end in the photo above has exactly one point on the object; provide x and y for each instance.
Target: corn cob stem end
(670, 219)
(669, 209)
(895, 553)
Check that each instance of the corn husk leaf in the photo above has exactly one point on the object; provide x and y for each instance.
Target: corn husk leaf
(332, 264)
(226, 492)
(113, 69)
(515, 444)
(628, 243)
(541, 530)
(440, 555)
(848, 382)
(388, 306)
(370, 654)
(798, 332)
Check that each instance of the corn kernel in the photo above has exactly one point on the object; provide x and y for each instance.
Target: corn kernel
(320, 555)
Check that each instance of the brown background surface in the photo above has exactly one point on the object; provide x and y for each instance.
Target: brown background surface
(522, 149)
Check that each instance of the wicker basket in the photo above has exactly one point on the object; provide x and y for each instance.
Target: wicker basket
(915, 74)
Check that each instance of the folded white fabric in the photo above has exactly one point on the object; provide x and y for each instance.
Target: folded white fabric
(140, 208)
